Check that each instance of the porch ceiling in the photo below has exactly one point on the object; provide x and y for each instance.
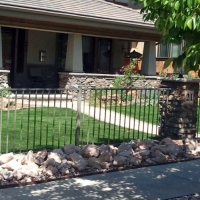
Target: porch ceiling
(89, 17)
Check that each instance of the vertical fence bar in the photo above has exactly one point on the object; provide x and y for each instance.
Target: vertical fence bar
(60, 119)
(79, 96)
(54, 115)
(47, 121)
(95, 103)
(1, 120)
(116, 99)
(41, 119)
(105, 115)
(99, 115)
(88, 121)
(28, 122)
(135, 109)
(71, 121)
(144, 112)
(120, 112)
(35, 115)
(66, 111)
(22, 117)
(124, 133)
(153, 107)
(130, 109)
(83, 116)
(14, 123)
(139, 114)
(110, 115)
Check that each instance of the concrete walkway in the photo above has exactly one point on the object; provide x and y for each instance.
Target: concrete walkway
(151, 183)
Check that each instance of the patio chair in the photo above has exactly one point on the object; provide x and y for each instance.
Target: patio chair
(37, 77)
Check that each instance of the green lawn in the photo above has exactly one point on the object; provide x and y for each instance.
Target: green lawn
(144, 113)
(38, 128)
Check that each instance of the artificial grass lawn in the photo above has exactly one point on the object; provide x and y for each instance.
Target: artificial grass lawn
(38, 128)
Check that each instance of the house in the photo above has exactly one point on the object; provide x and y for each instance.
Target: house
(62, 38)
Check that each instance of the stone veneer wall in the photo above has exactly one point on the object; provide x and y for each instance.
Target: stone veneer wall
(74, 80)
(4, 76)
(178, 108)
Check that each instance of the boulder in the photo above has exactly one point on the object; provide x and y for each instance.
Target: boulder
(104, 149)
(40, 157)
(135, 161)
(8, 175)
(18, 176)
(54, 156)
(175, 150)
(144, 152)
(135, 143)
(20, 158)
(64, 171)
(50, 161)
(75, 157)
(106, 157)
(90, 150)
(125, 147)
(126, 153)
(12, 165)
(161, 148)
(70, 148)
(43, 154)
(160, 157)
(59, 152)
(4, 158)
(63, 165)
(94, 162)
(105, 165)
(51, 170)
(120, 160)
(81, 165)
(29, 157)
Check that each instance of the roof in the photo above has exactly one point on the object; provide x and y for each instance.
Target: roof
(87, 17)
(90, 9)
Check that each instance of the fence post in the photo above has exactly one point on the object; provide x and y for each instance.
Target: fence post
(78, 116)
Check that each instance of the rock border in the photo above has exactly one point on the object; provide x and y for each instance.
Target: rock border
(72, 161)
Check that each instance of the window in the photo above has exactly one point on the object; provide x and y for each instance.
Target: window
(169, 50)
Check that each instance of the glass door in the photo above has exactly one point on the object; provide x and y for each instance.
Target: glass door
(104, 56)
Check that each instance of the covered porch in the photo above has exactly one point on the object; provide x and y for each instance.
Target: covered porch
(59, 43)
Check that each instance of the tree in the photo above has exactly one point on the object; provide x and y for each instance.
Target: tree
(177, 20)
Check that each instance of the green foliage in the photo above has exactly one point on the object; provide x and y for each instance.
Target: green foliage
(4, 90)
(128, 71)
(177, 21)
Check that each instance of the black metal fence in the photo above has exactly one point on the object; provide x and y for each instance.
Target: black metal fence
(50, 118)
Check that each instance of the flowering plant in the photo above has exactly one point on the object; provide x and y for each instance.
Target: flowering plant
(130, 69)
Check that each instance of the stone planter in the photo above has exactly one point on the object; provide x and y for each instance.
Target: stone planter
(4, 77)
(178, 108)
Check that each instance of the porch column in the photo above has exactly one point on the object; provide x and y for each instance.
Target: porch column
(149, 59)
(1, 52)
(74, 57)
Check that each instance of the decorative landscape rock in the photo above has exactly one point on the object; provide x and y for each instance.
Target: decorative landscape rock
(72, 160)
(6, 158)
(90, 150)
(70, 148)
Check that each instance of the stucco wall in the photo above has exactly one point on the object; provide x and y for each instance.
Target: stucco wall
(39, 41)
